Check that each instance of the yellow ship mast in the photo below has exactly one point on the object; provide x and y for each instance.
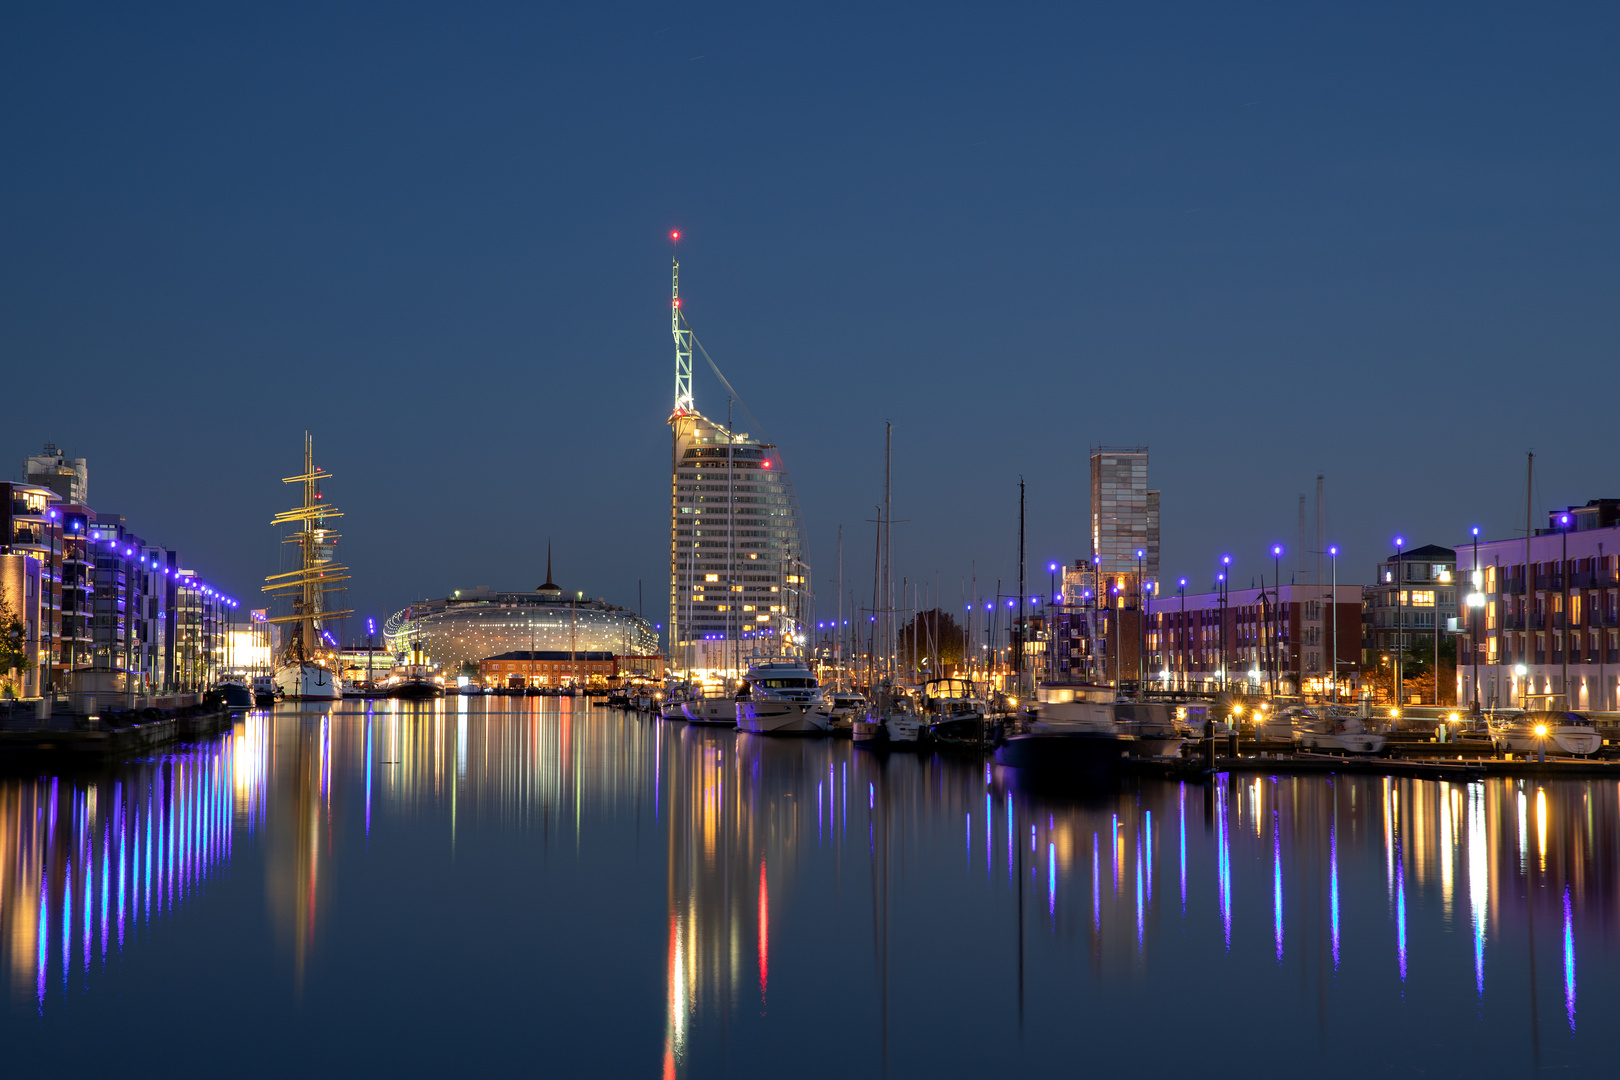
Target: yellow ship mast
(317, 572)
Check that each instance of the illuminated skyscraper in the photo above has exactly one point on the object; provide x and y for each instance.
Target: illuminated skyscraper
(1124, 513)
(739, 583)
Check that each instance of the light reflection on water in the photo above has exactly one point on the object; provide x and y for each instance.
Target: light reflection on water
(597, 847)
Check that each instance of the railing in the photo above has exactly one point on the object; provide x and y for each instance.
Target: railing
(1538, 622)
(1541, 656)
(1592, 579)
(1512, 586)
(1549, 582)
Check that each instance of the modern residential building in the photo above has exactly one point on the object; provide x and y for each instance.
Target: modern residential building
(1124, 512)
(1543, 614)
(1255, 638)
(31, 524)
(110, 601)
(22, 591)
(68, 477)
(1409, 607)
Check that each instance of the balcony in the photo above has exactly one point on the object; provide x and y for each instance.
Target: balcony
(1537, 622)
(1549, 582)
(1513, 587)
(1592, 579)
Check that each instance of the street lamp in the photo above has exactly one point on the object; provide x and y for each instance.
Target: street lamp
(1333, 614)
(1224, 585)
(1274, 643)
(1476, 600)
(1400, 608)
(1141, 624)
(1563, 630)
(1183, 645)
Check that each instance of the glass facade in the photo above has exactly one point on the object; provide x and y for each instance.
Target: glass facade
(737, 567)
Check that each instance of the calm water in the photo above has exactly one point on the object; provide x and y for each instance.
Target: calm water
(511, 883)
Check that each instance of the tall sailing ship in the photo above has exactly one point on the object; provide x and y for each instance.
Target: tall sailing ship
(306, 669)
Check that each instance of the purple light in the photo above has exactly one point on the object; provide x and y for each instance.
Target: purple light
(1334, 550)
(1276, 550)
(1400, 541)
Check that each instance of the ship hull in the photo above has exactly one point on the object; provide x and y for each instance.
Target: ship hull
(779, 718)
(308, 682)
(1064, 753)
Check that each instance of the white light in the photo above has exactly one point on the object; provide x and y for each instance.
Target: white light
(1476, 599)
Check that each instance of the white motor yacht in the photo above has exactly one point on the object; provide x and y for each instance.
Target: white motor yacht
(1551, 731)
(1334, 729)
(710, 709)
(841, 712)
(780, 697)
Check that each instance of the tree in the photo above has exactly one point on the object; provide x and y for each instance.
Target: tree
(14, 665)
(940, 642)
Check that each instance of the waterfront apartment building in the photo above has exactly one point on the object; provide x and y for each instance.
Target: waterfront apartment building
(1124, 512)
(109, 601)
(1415, 597)
(739, 582)
(31, 525)
(1256, 638)
(22, 591)
(1543, 614)
(68, 477)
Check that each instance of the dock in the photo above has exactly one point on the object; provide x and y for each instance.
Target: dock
(64, 739)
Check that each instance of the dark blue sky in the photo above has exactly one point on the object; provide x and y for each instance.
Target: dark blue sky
(1377, 242)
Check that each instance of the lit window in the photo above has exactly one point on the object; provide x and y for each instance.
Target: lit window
(711, 577)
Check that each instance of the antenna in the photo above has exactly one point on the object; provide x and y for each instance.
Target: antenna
(682, 335)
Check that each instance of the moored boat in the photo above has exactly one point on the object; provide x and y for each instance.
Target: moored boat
(780, 697)
(954, 713)
(1547, 731)
(1070, 726)
(1334, 729)
(307, 681)
(718, 709)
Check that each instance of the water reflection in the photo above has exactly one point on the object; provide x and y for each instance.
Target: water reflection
(1400, 903)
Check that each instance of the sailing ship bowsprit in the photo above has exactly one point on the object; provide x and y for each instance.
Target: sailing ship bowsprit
(307, 668)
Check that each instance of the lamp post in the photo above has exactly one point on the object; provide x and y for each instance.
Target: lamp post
(1400, 608)
(1563, 631)
(1221, 581)
(1182, 645)
(1141, 624)
(1476, 600)
(1333, 615)
(1274, 645)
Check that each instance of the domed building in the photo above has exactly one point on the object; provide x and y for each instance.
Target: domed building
(471, 625)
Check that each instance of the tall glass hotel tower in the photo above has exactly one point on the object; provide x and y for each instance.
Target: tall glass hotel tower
(739, 583)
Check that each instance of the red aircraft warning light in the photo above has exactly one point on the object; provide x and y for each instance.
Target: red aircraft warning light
(675, 234)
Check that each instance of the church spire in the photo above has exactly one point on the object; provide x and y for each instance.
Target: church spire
(549, 586)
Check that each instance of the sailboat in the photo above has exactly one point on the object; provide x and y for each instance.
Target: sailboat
(306, 669)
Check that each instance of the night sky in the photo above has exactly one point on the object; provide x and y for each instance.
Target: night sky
(1372, 241)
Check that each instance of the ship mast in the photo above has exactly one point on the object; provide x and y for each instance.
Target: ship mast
(317, 572)
(683, 337)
